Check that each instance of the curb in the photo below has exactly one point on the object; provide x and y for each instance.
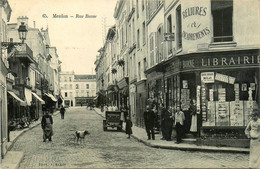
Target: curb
(202, 149)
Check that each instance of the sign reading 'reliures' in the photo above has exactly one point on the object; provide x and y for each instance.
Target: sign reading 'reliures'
(194, 27)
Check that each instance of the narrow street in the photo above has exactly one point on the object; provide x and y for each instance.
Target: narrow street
(108, 149)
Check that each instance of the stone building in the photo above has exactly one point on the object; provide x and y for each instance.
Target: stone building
(76, 89)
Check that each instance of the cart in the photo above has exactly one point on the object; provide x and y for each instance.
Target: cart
(113, 120)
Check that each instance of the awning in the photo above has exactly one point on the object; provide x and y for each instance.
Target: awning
(37, 97)
(51, 96)
(96, 98)
(28, 96)
(22, 103)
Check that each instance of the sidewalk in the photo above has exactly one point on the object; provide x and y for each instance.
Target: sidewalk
(12, 159)
(140, 135)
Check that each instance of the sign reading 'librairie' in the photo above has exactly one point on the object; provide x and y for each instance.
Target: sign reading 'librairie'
(220, 61)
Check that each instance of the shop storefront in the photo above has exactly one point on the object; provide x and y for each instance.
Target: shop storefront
(225, 88)
(36, 106)
(50, 102)
(155, 91)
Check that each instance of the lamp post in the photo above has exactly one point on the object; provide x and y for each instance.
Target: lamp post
(22, 32)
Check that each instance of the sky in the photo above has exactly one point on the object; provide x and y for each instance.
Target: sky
(77, 39)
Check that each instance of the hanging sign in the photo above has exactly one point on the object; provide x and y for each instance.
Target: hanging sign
(225, 78)
(207, 77)
(169, 37)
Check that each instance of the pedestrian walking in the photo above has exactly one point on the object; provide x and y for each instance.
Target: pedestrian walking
(193, 113)
(46, 124)
(128, 127)
(179, 123)
(62, 112)
(253, 132)
(149, 118)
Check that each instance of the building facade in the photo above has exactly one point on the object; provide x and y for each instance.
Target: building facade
(180, 50)
(5, 13)
(76, 89)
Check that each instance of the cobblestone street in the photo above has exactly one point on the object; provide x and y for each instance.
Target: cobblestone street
(108, 149)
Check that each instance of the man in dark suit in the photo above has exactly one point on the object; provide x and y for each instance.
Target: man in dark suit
(149, 118)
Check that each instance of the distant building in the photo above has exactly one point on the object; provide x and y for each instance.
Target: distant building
(77, 89)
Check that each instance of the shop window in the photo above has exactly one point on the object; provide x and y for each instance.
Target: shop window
(229, 102)
(222, 12)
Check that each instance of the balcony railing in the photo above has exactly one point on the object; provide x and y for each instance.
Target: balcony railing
(24, 52)
(222, 39)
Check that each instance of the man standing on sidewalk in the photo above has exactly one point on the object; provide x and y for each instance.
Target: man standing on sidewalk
(179, 121)
(149, 118)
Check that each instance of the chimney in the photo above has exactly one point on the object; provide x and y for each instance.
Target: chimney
(22, 19)
(34, 24)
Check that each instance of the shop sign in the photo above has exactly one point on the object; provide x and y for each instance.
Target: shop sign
(236, 88)
(185, 84)
(194, 18)
(231, 80)
(225, 78)
(211, 96)
(219, 61)
(244, 87)
(207, 77)
(252, 86)
(222, 78)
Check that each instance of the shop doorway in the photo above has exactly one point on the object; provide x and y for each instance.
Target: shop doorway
(187, 93)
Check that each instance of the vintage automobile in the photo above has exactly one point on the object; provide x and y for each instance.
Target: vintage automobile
(113, 120)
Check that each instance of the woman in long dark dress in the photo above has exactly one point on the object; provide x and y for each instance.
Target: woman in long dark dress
(128, 128)
(46, 124)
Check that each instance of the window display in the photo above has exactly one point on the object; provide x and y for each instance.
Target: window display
(229, 102)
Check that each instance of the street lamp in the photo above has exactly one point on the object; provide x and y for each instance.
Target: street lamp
(22, 32)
